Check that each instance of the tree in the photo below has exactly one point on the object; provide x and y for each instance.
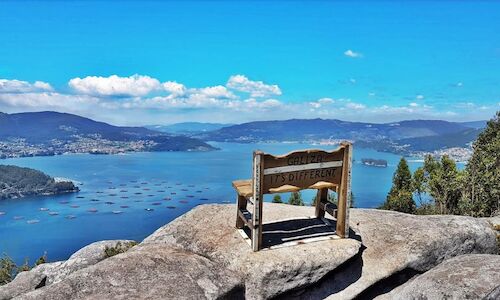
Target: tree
(8, 269)
(400, 197)
(419, 184)
(277, 199)
(296, 199)
(481, 195)
(444, 186)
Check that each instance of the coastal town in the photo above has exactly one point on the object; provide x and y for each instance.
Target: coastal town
(93, 144)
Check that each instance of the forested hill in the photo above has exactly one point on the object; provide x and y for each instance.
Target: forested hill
(17, 182)
(421, 133)
(56, 129)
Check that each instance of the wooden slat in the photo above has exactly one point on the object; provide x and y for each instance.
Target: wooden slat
(241, 204)
(243, 187)
(321, 198)
(246, 217)
(331, 209)
(294, 168)
(344, 194)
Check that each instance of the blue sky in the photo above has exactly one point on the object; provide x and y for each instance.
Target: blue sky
(138, 62)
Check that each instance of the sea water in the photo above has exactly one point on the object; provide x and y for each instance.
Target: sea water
(129, 196)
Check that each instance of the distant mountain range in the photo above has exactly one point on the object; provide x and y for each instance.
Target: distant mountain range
(48, 133)
(188, 127)
(401, 137)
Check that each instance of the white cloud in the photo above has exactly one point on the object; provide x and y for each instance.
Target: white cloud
(174, 87)
(355, 106)
(352, 54)
(321, 102)
(413, 104)
(419, 97)
(19, 86)
(218, 91)
(46, 100)
(135, 85)
(255, 88)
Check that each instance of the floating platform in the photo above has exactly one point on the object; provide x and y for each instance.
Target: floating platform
(70, 217)
(148, 209)
(117, 212)
(92, 210)
(53, 213)
(34, 221)
(44, 209)
(18, 218)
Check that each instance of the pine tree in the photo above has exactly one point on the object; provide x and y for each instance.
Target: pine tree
(400, 197)
(482, 177)
(296, 199)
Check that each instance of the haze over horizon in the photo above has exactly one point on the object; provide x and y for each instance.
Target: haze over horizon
(139, 63)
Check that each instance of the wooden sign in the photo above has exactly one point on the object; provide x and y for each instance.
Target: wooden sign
(302, 169)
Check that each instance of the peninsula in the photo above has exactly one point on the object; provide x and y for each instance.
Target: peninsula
(17, 182)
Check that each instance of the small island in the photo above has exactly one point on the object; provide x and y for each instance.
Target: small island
(381, 163)
(17, 182)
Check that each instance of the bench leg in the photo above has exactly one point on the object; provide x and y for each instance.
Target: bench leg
(257, 225)
(241, 203)
(321, 198)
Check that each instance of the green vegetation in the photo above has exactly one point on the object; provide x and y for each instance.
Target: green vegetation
(400, 196)
(296, 199)
(277, 199)
(18, 182)
(9, 269)
(119, 248)
(474, 191)
(482, 174)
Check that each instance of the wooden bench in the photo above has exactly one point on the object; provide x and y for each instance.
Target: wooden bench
(292, 172)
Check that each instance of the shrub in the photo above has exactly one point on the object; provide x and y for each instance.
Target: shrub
(118, 248)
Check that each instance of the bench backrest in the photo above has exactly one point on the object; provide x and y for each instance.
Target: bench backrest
(299, 169)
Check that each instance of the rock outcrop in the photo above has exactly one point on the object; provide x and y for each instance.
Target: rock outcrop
(402, 245)
(146, 272)
(265, 273)
(473, 276)
(49, 273)
(201, 255)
